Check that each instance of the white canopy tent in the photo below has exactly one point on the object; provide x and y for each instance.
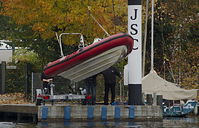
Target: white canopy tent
(152, 83)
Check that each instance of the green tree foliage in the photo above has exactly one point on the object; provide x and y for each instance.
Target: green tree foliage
(24, 55)
(15, 79)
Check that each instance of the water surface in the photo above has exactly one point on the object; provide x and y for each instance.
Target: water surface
(189, 122)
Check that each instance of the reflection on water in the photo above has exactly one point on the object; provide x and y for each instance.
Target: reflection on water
(191, 122)
(89, 125)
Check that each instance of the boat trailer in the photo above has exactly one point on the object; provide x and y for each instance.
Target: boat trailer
(42, 97)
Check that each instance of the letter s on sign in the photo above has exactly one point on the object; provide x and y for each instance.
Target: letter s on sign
(135, 30)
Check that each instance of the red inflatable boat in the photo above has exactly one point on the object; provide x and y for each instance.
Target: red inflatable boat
(92, 59)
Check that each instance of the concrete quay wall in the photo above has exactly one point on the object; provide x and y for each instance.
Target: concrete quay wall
(99, 112)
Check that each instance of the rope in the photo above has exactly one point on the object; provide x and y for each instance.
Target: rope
(114, 13)
(89, 8)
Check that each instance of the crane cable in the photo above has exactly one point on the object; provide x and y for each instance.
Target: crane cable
(89, 8)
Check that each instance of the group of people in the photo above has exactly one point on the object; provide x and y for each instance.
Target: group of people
(109, 82)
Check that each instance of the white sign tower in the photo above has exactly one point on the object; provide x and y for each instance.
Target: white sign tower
(134, 59)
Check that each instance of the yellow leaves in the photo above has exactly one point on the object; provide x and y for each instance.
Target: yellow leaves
(190, 82)
(41, 27)
(185, 64)
(44, 29)
(70, 39)
(67, 15)
(13, 98)
(47, 34)
(46, 7)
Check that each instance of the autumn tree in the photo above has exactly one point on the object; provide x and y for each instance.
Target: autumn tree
(49, 16)
(176, 41)
(38, 20)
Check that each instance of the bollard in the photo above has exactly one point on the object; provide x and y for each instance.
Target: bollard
(104, 113)
(159, 100)
(149, 99)
(131, 112)
(44, 113)
(2, 77)
(154, 99)
(117, 112)
(90, 112)
(196, 110)
(67, 113)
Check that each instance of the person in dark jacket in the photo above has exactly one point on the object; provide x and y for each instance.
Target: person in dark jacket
(110, 82)
(46, 83)
(91, 88)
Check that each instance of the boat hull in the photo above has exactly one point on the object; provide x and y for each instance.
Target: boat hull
(91, 59)
(180, 111)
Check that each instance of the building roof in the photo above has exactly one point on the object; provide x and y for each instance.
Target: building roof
(4, 46)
